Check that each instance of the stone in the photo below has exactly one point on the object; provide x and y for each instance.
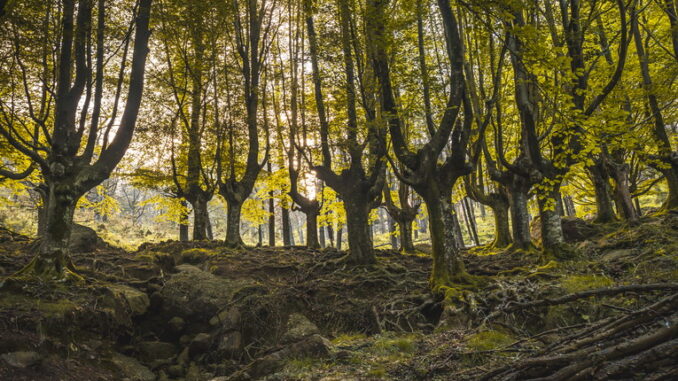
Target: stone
(200, 344)
(156, 350)
(183, 357)
(83, 239)
(131, 369)
(176, 324)
(227, 319)
(231, 343)
(196, 295)
(577, 230)
(314, 346)
(298, 327)
(137, 301)
(175, 371)
(22, 359)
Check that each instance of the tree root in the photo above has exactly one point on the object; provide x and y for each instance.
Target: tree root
(612, 347)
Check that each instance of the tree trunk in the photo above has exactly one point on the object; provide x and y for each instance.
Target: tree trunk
(286, 231)
(622, 192)
(199, 204)
(502, 234)
(569, 206)
(551, 226)
(340, 236)
(321, 237)
(406, 243)
(470, 216)
(312, 231)
(392, 232)
(520, 218)
(601, 186)
(447, 265)
(53, 259)
(271, 217)
(233, 210)
(359, 237)
(183, 223)
(208, 225)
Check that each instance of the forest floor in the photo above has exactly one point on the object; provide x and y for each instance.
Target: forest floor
(199, 311)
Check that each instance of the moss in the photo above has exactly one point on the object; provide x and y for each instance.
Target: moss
(396, 345)
(377, 372)
(347, 338)
(576, 283)
(488, 340)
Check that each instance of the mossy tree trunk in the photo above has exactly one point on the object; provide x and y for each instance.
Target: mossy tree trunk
(448, 267)
(357, 224)
(520, 216)
(601, 186)
(53, 257)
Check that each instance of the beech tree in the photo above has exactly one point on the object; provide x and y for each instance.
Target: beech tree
(56, 117)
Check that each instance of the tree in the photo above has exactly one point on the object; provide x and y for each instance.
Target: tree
(250, 38)
(432, 180)
(359, 185)
(65, 141)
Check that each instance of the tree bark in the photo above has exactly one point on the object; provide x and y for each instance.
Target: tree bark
(53, 258)
(406, 242)
(233, 210)
(502, 233)
(447, 265)
(286, 230)
(520, 220)
(183, 222)
(601, 186)
(360, 247)
(551, 226)
(312, 231)
(199, 218)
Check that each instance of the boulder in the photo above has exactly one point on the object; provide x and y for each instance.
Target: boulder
(231, 343)
(83, 239)
(176, 324)
(575, 229)
(227, 319)
(314, 346)
(131, 369)
(196, 295)
(298, 328)
(136, 300)
(156, 350)
(21, 359)
(200, 344)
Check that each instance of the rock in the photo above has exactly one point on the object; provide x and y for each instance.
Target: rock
(576, 230)
(227, 319)
(142, 271)
(175, 371)
(231, 343)
(298, 327)
(200, 344)
(83, 239)
(314, 346)
(183, 357)
(176, 324)
(196, 255)
(195, 295)
(136, 300)
(156, 350)
(21, 359)
(131, 369)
